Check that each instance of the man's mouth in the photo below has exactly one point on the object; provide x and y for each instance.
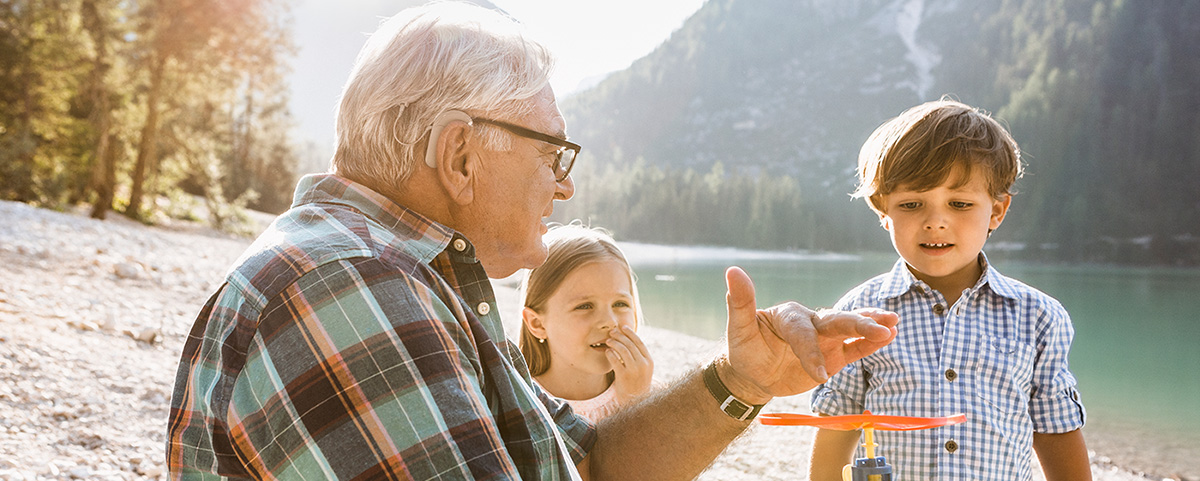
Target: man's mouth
(598, 345)
(939, 245)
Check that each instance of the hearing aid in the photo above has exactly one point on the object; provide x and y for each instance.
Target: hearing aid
(435, 130)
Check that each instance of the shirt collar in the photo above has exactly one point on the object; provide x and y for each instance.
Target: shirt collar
(900, 280)
(425, 238)
(995, 281)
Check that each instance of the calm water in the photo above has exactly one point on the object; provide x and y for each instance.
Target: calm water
(1135, 352)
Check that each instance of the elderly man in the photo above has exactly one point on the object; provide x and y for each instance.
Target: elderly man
(358, 337)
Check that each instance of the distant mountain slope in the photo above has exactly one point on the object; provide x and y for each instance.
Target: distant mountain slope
(1101, 95)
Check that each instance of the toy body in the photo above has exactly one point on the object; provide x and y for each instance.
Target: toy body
(868, 469)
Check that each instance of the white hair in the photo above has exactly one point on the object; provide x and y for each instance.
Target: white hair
(420, 63)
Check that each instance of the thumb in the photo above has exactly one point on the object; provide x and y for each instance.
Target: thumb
(739, 300)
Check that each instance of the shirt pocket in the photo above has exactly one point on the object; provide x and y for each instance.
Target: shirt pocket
(1004, 370)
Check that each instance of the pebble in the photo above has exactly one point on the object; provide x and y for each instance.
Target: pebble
(128, 270)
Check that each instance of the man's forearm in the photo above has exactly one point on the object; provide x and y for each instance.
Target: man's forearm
(672, 434)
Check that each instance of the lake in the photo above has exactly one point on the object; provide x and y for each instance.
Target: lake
(1135, 353)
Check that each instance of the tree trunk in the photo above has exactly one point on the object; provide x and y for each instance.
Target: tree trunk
(147, 146)
(104, 170)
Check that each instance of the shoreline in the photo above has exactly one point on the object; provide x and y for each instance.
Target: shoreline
(93, 316)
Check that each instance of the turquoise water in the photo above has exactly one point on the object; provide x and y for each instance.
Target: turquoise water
(1135, 352)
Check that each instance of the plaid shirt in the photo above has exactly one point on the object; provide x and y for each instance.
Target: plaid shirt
(357, 339)
(999, 355)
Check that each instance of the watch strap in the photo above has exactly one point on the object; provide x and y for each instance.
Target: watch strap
(730, 404)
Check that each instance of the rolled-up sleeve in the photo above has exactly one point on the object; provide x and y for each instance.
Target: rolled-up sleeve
(1054, 405)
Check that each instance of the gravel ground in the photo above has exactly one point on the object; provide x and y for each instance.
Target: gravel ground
(93, 316)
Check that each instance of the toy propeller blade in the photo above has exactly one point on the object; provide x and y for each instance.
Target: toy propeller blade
(859, 421)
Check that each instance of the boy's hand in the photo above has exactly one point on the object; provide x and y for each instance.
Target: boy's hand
(632, 366)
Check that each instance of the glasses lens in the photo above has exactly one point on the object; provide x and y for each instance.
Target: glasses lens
(566, 160)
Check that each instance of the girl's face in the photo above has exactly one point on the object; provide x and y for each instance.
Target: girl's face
(592, 300)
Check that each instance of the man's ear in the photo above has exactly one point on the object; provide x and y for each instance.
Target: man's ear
(534, 323)
(456, 164)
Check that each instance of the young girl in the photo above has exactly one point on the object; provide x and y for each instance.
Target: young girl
(579, 321)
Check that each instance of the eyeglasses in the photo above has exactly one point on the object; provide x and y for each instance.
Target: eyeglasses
(566, 153)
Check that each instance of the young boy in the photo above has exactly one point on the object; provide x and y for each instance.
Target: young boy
(971, 340)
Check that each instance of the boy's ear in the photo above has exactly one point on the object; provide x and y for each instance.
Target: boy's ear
(999, 210)
(884, 221)
(457, 165)
(533, 322)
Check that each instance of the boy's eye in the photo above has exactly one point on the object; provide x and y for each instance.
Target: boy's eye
(909, 205)
(960, 205)
(584, 306)
(620, 304)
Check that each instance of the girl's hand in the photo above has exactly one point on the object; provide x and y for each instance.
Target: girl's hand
(632, 366)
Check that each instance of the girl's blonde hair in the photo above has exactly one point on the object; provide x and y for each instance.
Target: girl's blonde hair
(570, 246)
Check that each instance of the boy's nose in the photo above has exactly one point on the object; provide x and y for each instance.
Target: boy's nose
(935, 221)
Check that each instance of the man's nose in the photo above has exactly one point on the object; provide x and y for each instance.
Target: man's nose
(565, 189)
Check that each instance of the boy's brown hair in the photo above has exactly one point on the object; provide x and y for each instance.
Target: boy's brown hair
(922, 147)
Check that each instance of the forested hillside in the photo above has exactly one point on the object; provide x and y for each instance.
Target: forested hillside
(743, 128)
(130, 105)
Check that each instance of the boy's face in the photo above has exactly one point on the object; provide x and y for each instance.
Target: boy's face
(940, 232)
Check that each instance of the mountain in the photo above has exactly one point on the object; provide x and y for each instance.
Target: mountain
(1100, 94)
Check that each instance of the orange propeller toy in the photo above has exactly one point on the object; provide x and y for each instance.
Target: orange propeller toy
(872, 467)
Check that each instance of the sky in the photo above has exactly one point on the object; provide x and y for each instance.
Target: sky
(590, 38)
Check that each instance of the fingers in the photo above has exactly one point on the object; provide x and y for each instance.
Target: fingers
(861, 348)
(739, 300)
(795, 324)
(871, 324)
(636, 345)
(629, 349)
(614, 359)
(813, 336)
(632, 366)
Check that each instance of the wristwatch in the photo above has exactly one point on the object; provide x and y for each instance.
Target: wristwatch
(730, 404)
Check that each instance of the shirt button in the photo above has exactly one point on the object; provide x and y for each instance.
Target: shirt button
(951, 375)
(951, 446)
(939, 309)
(460, 245)
(483, 308)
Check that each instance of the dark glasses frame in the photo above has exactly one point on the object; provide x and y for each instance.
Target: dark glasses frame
(567, 153)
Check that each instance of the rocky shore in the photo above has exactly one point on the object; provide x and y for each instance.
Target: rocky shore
(93, 316)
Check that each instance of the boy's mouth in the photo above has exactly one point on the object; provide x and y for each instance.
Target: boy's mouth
(599, 345)
(939, 245)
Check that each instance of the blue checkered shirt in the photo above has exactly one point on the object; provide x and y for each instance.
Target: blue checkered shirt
(999, 355)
